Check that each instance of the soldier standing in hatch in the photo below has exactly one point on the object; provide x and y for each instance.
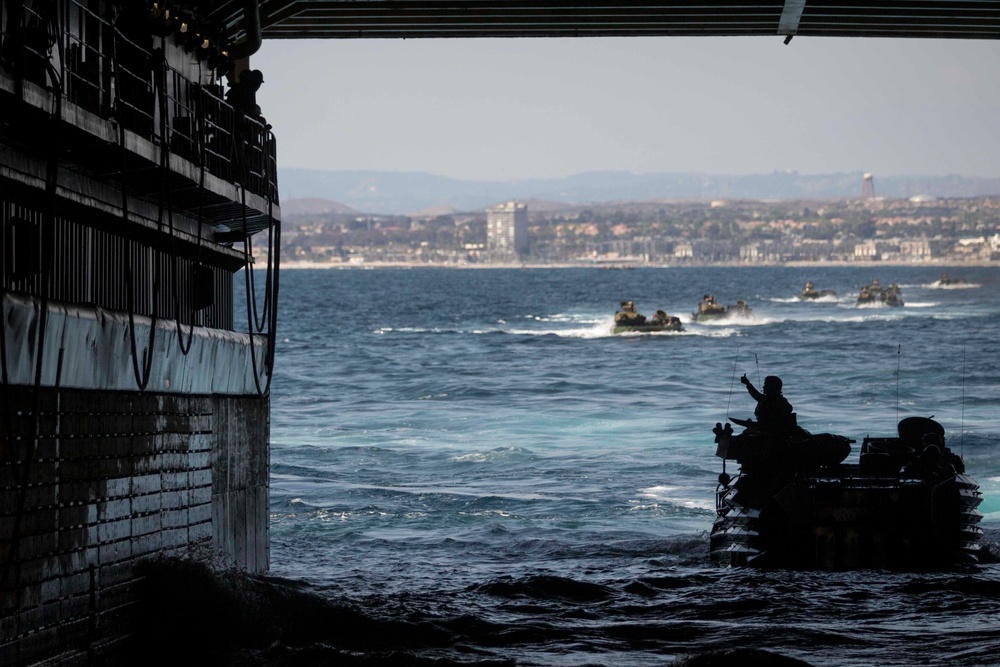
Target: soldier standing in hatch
(628, 314)
(773, 410)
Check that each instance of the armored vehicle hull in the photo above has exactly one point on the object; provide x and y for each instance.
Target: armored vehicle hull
(673, 324)
(795, 504)
(738, 309)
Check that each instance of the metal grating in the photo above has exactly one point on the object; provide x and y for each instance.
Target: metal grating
(88, 262)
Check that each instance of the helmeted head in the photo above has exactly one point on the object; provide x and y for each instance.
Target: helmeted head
(932, 440)
(772, 384)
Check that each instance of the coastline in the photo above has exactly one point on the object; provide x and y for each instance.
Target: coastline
(617, 266)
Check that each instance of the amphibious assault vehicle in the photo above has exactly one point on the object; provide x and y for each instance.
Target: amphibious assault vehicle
(907, 504)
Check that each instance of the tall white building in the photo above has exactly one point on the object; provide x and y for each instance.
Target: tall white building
(507, 232)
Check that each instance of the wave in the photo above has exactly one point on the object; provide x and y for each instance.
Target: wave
(605, 329)
(416, 330)
(829, 298)
(632, 603)
(874, 305)
(546, 587)
(937, 285)
(599, 330)
(669, 494)
(590, 329)
(562, 317)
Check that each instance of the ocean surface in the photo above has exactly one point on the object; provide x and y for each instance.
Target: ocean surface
(474, 457)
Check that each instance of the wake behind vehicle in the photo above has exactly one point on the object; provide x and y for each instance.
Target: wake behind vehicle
(908, 503)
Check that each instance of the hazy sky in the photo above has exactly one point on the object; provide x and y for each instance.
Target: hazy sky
(524, 108)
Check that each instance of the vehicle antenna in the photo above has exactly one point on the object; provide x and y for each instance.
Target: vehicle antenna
(961, 432)
(731, 383)
(899, 349)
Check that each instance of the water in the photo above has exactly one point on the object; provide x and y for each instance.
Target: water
(472, 452)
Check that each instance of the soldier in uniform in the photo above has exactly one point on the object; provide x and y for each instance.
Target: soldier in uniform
(709, 304)
(628, 314)
(773, 410)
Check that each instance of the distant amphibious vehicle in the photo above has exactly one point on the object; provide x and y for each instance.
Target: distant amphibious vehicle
(947, 281)
(810, 293)
(875, 295)
(709, 310)
(628, 320)
(906, 505)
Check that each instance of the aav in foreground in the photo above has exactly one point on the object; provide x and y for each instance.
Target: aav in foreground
(907, 504)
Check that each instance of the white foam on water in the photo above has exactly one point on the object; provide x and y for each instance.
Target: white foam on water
(937, 285)
(674, 495)
(490, 512)
(561, 317)
(738, 320)
(605, 328)
(599, 330)
(496, 454)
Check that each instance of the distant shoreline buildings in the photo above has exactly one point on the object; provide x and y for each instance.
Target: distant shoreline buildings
(658, 233)
(507, 233)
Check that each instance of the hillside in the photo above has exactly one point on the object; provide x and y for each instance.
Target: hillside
(314, 206)
(407, 193)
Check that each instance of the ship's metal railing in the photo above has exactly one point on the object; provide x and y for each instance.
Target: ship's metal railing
(106, 65)
(116, 68)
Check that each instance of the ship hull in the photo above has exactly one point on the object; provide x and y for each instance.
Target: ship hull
(99, 476)
(135, 410)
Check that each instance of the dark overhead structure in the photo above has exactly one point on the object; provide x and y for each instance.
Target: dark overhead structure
(366, 19)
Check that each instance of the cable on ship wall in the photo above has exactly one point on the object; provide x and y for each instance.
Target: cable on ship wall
(142, 375)
(186, 347)
(269, 309)
(50, 23)
(261, 320)
(273, 250)
(265, 318)
(260, 317)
